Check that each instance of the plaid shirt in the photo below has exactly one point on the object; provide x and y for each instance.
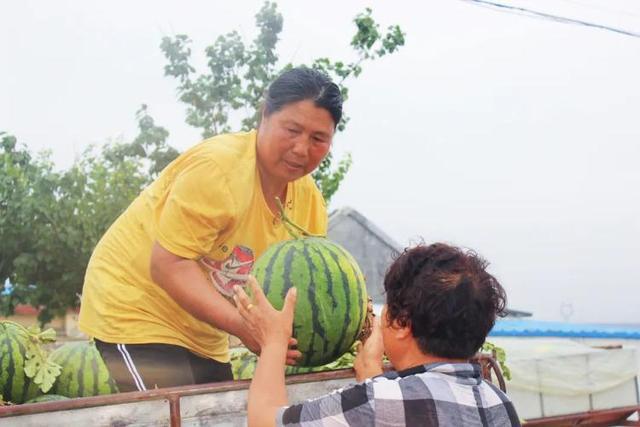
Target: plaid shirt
(438, 394)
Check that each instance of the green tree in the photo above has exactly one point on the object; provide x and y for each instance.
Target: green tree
(50, 221)
(150, 147)
(18, 171)
(238, 75)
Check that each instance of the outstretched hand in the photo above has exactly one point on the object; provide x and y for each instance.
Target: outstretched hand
(267, 325)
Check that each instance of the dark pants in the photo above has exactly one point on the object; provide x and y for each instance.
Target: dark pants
(147, 366)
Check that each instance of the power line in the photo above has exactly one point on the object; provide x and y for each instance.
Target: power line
(599, 7)
(564, 20)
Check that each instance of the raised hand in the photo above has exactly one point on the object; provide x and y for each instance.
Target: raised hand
(267, 325)
(368, 362)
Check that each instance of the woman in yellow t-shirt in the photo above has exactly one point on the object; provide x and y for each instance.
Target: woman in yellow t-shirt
(156, 287)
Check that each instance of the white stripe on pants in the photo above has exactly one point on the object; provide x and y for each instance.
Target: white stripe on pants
(131, 367)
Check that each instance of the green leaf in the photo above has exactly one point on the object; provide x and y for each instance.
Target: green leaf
(33, 363)
(42, 369)
(501, 357)
(47, 336)
(47, 375)
(33, 330)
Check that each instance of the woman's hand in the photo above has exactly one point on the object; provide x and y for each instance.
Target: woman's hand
(368, 362)
(292, 353)
(247, 338)
(266, 325)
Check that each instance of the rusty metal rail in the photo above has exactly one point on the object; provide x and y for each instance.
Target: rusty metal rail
(174, 394)
(604, 417)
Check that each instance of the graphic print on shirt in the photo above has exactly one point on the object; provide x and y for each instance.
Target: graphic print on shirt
(234, 270)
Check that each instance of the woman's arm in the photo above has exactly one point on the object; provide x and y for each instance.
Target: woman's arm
(267, 392)
(272, 330)
(183, 280)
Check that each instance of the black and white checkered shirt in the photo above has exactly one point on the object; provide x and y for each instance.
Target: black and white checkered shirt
(438, 394)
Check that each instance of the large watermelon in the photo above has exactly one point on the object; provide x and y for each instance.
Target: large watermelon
(84, 373)
(332, 298)
(15, 386)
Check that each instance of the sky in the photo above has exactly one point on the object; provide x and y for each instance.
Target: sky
(516, 136)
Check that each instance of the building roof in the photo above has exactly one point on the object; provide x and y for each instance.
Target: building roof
(370, 247)
(517, 313)
(539, 328)
(338, 215)
(382, 252)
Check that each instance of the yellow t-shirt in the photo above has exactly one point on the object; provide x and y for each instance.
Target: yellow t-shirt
(205, 203)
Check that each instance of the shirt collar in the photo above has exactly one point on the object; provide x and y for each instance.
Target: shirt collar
(460, 370)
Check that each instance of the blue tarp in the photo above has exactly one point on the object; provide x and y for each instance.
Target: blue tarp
(539, 328)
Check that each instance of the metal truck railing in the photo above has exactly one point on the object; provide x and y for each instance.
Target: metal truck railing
(197, 405)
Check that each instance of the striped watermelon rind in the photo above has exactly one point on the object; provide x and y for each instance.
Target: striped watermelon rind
(243, 364)
(84, 373)
(332, 299)
(15, 386)
(47, 398)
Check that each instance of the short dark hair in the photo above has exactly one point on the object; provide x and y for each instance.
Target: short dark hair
(300, 84)
(446, 297)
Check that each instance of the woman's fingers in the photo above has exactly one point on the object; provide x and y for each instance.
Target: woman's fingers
(370, 305)
(256, 290)
(374, 346)
(293, 356)
(265, 321)
(241, 308)
(376, 327)
(244, 305)
(293, 353)
(242, 296)
(376, 333)
(290, 304)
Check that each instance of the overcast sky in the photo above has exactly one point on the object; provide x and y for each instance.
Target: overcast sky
(516, 136)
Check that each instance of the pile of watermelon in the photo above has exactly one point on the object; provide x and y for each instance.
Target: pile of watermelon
(79, 368)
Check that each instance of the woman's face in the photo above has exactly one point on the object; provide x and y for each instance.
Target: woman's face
(293, 141)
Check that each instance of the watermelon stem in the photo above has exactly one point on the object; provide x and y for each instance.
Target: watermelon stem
(292, 232)
(291, 226)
